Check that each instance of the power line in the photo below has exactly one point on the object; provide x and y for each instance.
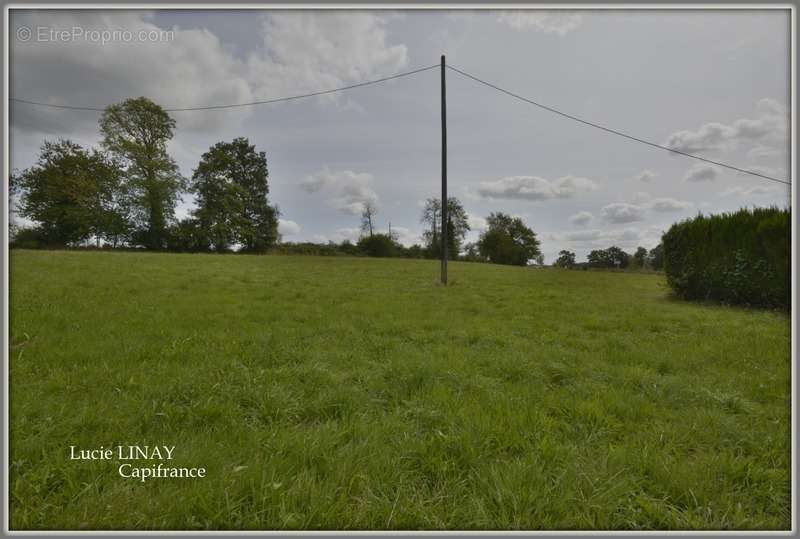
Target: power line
(235, 105)
(407, 73)
(613, 131)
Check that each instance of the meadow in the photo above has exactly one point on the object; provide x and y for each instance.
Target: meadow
(356, 393)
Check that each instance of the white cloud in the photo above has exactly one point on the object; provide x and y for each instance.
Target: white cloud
(669, 205)
(771, 123)
(583, 235)
(535, 188)
(581, 218)
(645, 176)
(749, 191)
(347, 46)
(661, 204)
(93, 74)
(550, 22)
(348, 191)
(476, 223)
(402, 235)
(353, 199)
(349, 234)
(622, 212)
(592, 235)
(711, 136)
(625, 238)
(287, 227)
(701, 173)
(193, 68)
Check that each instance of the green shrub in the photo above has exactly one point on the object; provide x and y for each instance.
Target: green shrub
(738, 258)
(313, 249)
(380, 245)
(28, 238)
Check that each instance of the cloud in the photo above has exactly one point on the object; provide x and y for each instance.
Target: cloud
(349, 234)
(194, 68)
(476, 223)
(287, 227)
(173, 72)
(761, 151)
(402, 235)
(622, 212)
(641, 198)
(353, 199)
(535, 188)
(626, 234)
(665, 205)
(645, 176)
(749, 191)
(348, 191)
(771, 123)
(626, 238)
(711, 136)
(771, 107)
(341, 179)
(701, 173)
(314, 182)
(549, 22)
(774, 172)
(581, 218)
(348, 46)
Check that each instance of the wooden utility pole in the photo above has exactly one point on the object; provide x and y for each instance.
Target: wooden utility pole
(444, 179)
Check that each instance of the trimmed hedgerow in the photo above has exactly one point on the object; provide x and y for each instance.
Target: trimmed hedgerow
(738, 258)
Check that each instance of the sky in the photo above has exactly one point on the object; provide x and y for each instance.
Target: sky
(715, 83)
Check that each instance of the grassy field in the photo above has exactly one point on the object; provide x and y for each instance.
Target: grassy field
(345, 393)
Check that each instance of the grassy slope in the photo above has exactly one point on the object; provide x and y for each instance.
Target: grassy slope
(357, 393)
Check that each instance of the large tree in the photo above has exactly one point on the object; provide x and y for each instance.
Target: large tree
(508, 241)
(613, 257)
(457, 226)
(566, 259)
(73, 194)
(137, 131)
(231, 184)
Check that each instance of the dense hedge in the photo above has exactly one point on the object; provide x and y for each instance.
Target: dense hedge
(743, 257)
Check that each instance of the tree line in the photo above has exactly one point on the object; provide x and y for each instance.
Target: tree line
(615, 258)
(506, 240)
(125, 192)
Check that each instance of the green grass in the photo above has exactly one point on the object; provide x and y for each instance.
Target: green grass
(345, 393)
